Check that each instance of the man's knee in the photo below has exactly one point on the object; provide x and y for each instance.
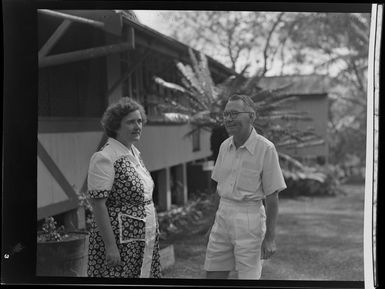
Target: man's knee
(217, 274)
(252, 274)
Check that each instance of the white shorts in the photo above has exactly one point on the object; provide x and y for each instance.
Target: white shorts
(236, 239)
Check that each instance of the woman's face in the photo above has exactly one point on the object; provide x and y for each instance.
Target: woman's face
(130, 128)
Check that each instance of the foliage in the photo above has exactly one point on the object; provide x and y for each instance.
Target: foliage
(191, 218)
(206, 100)
(343, 40)
(228, 36)
(310, 181)
(50, 232)
(85, 203)
(273, 109)
(335, 44)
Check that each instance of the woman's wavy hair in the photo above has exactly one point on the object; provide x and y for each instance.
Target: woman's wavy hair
(114, 114)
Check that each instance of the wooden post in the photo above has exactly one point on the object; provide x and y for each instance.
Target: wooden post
(75, 219)
(167, 257)
(164, 191)
(181, 181)
(133, 66)
(131, 36)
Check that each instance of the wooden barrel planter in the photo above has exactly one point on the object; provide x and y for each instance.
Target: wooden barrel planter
(67, 257)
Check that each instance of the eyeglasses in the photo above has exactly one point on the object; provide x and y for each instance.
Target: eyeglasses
(233, 114)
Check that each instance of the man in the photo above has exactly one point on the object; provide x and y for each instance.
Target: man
(247, 172)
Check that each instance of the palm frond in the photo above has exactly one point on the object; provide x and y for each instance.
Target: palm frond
(290, 161)
(250, 84)
(169, 85)
(275, 113)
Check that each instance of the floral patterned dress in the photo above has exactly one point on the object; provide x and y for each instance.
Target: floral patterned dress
(119, 175)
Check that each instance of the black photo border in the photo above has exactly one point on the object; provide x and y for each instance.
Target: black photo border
(20, 106)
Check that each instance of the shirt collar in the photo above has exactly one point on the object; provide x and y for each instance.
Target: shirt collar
(123, 147)
(249, 144)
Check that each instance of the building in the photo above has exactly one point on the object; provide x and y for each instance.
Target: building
(88, 59)
(312, 99)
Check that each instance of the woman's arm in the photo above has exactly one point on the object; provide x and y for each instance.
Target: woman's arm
(104, 225)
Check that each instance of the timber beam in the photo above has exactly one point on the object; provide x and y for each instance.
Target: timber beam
(54, 38)
(84, 54)
(71, 17)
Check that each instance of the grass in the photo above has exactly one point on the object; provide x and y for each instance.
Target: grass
(318, 238)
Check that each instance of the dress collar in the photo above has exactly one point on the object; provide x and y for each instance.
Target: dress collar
(123, 147)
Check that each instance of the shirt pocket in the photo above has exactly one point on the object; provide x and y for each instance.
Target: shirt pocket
(131, 228)
(248, 180)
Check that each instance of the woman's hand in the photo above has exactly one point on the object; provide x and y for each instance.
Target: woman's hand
(113, 256)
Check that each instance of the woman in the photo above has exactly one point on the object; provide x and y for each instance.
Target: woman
(124, 239)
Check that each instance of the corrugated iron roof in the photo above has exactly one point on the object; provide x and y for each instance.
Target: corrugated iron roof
(299, 84)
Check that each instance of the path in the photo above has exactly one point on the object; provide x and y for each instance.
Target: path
(317, 239)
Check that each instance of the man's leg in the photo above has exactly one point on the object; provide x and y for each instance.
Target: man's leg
(250, 229)
(217, 274)
(219, 259)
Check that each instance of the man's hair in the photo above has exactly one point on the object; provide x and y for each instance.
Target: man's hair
(114, 114)
(247, 101)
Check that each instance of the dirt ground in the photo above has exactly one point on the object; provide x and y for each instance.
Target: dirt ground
(318, 238)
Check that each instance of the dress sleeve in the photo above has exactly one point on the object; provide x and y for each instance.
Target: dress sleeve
(272, 177)
(100, 176)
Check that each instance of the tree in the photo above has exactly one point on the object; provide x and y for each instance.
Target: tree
(206, 101)
(331, 43)
(343, 39)
(228, 36)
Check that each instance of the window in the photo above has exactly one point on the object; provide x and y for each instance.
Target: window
(73, 89)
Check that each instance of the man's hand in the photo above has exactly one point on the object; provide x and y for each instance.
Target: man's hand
(268, 249)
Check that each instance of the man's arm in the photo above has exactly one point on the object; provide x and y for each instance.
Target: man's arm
(268, 244)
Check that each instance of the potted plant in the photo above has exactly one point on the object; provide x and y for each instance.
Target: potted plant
(60, 252)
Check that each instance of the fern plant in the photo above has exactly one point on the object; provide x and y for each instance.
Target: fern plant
(203, 101)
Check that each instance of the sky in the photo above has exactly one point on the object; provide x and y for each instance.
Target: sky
(155, 20)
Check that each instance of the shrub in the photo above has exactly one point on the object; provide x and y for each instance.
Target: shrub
(312, 181)
(187, 219)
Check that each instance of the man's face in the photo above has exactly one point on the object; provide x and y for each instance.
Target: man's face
(238, 126)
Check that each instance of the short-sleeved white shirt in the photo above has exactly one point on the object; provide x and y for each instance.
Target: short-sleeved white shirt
(249, 173)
